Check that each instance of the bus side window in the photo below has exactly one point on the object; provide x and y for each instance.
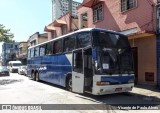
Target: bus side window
(48, 49)
(83, 39)
(57, 47)
(69, 43)
(32, 52)
(36, 51)
(29, 53)
(42, 50)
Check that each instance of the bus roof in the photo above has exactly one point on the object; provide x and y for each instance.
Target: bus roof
(81, 30)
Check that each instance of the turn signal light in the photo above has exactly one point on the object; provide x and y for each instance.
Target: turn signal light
(103, 83)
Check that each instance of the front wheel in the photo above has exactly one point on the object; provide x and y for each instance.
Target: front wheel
(69, 83)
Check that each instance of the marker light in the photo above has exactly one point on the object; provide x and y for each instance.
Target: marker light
(103, 83)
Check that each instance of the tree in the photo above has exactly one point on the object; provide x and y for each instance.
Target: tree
(5, 35)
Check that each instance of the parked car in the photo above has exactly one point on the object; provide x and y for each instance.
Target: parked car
(14, 65)
(21, 70)
(4, 71)
(25, 71)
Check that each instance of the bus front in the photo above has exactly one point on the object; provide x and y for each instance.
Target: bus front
(113, 63)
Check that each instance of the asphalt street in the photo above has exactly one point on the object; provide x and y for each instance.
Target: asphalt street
(19, 89)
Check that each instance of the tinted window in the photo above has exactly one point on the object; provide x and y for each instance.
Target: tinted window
(42, 50)
(32, 52)
(106, 39)
(57, 46)
(48, 49)
(29, 53)
(83, 39)
(36, 51)
(69, 43)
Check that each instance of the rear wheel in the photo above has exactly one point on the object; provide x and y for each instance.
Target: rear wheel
(37, 76)
(33, 76)
(69, 83)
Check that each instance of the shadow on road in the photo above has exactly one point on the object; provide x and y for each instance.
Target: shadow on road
(9, 81)
(112, 101)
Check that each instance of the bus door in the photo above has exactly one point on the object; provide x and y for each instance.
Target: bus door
(78, 71)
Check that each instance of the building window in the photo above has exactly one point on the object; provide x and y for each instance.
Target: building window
(128, 4)
(64, 29)
(84, 20)
(53, 34)
(98, 13)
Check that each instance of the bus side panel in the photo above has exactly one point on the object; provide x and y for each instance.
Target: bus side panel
(33, 64)
(54, 69)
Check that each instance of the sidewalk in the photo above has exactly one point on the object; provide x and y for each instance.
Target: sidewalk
(151, 92)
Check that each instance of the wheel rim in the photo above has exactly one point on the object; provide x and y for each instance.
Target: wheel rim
(70, 83)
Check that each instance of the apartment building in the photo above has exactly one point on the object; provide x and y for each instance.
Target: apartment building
(37, 38)
(61, 7)
(9, 51)
(61, 26)
(21, 55)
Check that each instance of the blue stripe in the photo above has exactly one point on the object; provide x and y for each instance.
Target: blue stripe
(117, 79)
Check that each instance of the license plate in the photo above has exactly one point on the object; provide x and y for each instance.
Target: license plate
(118, 89)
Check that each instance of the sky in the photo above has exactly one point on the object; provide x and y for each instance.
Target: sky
(25, 17)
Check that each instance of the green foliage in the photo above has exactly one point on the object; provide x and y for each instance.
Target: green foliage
(5, 35)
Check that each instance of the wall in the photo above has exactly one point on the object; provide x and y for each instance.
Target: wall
(146, 57)
(142, 17)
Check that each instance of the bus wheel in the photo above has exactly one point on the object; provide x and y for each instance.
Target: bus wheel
(33, 76)
(69, 83)
(37, 76)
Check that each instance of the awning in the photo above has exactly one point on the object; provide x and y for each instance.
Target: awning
(59, 23)
(141, 34)
(90, 3)
(49, 28)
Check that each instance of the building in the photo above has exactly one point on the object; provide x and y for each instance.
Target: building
(9, 51)
(61, 26)
(37, 38)
(21, 55)
(135, 18)
(61, 7)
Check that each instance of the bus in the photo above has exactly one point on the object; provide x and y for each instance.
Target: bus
(93, 60)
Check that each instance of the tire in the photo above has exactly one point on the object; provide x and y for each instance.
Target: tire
(33, 76)
(37, 77)
(69, 83)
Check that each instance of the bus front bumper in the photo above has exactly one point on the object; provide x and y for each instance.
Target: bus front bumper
(110, 89)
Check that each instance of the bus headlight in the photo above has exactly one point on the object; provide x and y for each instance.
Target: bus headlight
(131, 81)
(103, 83)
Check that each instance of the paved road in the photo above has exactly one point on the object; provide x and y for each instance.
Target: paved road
(18, 89)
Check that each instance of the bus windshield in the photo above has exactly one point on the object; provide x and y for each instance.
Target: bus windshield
(114, 55)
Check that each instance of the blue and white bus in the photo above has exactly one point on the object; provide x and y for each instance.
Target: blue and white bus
(92, 60)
